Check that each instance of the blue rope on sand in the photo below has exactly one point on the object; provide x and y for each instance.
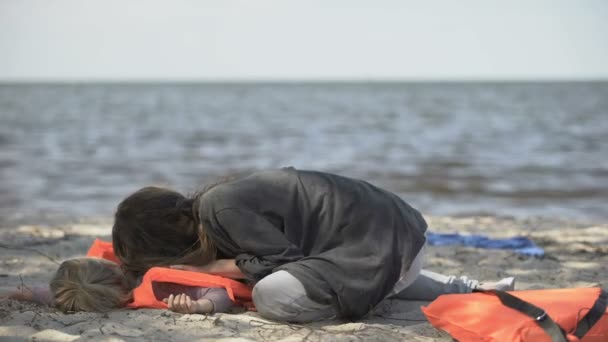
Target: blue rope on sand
(517, 244)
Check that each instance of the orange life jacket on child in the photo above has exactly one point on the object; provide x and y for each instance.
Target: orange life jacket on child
(534, 315)
(143, 295)
(102, 249)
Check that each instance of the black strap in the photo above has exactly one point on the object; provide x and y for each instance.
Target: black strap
(594, 315)
(539, 315)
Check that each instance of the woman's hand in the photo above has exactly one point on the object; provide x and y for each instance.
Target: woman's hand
(183, 304)
(222, 267)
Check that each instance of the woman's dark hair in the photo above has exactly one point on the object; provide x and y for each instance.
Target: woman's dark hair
(159, 227)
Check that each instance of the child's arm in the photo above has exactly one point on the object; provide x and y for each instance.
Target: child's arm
(222, 267)
(182, 303)
(210, 300)
(37, 294)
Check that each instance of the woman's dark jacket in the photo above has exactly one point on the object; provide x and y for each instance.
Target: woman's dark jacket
(343, 238)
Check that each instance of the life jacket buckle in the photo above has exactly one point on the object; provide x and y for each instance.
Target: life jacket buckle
(542, 317)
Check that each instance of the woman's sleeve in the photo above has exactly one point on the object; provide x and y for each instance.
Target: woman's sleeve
(263, 244)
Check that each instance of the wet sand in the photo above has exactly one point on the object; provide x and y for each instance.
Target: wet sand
(576, 256)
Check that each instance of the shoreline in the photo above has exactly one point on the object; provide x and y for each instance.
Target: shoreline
(576, 256)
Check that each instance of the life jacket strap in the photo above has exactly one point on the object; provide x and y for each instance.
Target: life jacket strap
(539, 315)
(594, 315)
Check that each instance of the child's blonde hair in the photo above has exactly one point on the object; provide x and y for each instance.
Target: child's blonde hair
(90, 284)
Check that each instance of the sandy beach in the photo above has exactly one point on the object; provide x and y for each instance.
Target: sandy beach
(576, 256)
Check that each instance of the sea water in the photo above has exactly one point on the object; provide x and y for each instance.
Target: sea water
(515, 149)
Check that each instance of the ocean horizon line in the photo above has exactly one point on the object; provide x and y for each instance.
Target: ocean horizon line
(303, 81)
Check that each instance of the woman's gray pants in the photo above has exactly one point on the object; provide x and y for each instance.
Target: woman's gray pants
(282, 297)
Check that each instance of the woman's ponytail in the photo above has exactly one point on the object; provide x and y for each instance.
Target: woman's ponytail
(159, 227)
(185, 205)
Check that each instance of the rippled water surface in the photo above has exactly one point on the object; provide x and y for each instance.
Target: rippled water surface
(458, 149)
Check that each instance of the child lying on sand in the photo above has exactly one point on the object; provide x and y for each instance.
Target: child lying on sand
(93, 284)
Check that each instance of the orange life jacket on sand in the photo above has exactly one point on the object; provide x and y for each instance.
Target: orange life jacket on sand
(533, 315)
(143, 295)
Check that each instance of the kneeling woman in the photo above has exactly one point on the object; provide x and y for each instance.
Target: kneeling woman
(316, 245)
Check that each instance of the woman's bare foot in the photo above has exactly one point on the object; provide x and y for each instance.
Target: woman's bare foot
(505, 284)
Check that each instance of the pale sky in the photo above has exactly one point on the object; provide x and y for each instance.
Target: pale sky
(69, 40)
